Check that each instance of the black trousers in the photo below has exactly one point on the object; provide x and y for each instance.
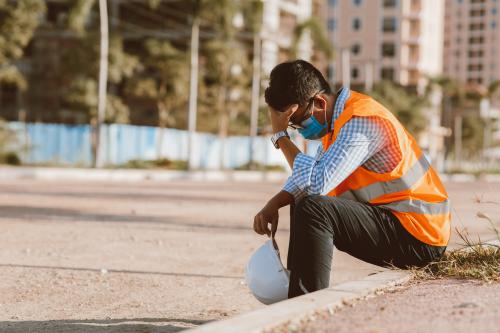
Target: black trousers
(370, 233)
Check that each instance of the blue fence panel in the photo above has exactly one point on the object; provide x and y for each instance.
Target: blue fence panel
(71, 145)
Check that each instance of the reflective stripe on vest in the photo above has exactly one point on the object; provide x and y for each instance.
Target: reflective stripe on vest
(420, 207)
(375, 190)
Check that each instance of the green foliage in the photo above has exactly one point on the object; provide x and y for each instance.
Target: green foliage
(318, 35)
(11, 158)
(79, 14)
(256, 166)
(472, 135)
(80, 67)
(225, 93)
(18, 21)
(163, 79)
(161, 163)
(405, 105)
(8, 145)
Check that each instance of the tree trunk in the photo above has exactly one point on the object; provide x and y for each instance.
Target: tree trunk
(93, 138)
(254, 107)
(162, 123)
(223, 123)
(193, 90)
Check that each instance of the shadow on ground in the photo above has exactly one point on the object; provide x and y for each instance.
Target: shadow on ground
(132, 325)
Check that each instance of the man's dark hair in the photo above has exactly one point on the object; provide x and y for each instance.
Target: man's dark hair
(294, 82)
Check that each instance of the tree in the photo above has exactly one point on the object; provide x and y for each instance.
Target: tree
(163, 80)
(18, 21)
(253, 13)
(226, 69)
(79, 70)
(406, 106)
(80, 67)
(318, 35)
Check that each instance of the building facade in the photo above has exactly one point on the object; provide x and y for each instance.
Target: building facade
(472, 41)
(396, 40)
(472, 57)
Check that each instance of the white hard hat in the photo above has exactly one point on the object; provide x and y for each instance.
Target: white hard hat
(265, 275)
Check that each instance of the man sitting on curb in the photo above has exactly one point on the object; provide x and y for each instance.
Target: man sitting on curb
(369, 191)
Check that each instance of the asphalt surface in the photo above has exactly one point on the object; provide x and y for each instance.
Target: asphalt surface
(152, 257)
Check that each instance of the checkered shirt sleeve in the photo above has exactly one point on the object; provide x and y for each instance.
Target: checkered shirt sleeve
(359, 139)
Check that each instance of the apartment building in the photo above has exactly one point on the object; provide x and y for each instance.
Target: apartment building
(471, 55)
(472, 41)
(280, 17)
(397, 40)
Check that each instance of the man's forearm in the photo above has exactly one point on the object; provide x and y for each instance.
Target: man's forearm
(282, 199)
(289, 149)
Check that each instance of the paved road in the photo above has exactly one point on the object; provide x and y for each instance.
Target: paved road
(133, 257)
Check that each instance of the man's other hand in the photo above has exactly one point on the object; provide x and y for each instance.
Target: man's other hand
(268, 215)
(279, 119)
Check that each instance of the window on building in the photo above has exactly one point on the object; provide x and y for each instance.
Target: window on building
(357, 2)
(475, 80)
(477, 12)
(387, 73)
(457, 53)
(493, 24)
(475, 67)
(476, 40)
(494, 11)
(388, 50)
(476, 53)
(356, 49)
(389, 24)
(476, 1)
(476, 26)
(355, 73)
(332, 24)
(356, 23)
(390, 3)
(332, 3)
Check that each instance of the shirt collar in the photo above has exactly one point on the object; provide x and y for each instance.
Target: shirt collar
(343, 95)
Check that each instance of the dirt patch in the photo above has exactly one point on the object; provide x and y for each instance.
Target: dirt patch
(432, 306)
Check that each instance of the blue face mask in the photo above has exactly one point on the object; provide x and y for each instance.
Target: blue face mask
(313, 129)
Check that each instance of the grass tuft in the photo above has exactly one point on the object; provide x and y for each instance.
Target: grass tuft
(476, 260)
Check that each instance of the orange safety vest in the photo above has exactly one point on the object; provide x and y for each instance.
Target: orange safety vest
(412, 191)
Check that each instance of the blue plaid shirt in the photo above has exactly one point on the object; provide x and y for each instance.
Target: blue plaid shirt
(363, 141)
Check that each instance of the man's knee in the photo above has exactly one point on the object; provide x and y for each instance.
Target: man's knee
(318, 209)
(310, 209)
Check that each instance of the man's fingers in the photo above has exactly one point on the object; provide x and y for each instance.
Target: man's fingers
(259, 224)
(274, 227)
(256, 223)
(263, 226)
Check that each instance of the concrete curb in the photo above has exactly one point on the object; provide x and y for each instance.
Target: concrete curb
(303, 306)
(133, 175)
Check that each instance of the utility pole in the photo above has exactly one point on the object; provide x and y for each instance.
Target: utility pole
(103, 79)
(458, 140)
(368, 76)
(254, 106)
(346, 68)
(193, 90)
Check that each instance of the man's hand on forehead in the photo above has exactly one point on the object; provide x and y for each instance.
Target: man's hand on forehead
(280, 119)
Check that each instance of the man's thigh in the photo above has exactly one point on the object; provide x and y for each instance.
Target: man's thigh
(366, 232)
